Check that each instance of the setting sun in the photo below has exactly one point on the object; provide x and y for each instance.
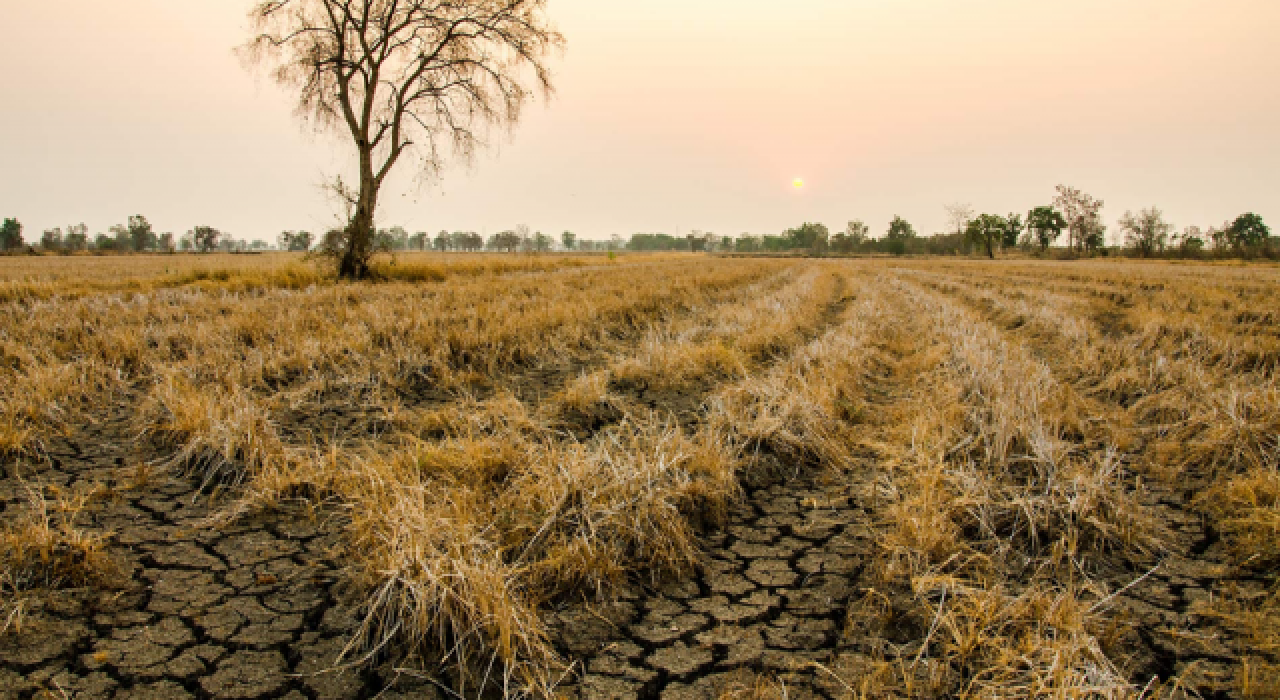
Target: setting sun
(798, 183)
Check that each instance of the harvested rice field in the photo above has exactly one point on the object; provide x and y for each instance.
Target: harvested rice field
(651, 477)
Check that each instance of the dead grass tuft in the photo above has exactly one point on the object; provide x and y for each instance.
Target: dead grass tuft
(44, 547)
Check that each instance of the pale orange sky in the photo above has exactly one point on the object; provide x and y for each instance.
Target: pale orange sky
(675, 115)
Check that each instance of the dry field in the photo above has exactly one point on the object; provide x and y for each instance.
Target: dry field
(656, 477)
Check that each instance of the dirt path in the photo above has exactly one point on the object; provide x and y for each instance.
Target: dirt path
(770, 601)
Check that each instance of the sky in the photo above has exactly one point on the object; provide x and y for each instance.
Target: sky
(673, 116)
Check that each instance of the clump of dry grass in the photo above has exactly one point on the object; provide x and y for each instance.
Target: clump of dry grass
(726, 344)
(44, 547)
(462, 540)
(221, 437)
(980, 639)
(799, 411)
(1246, 509)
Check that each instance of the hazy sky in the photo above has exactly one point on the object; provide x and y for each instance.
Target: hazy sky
(675, 115)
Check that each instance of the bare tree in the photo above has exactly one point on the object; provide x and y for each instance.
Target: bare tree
(1146, 232)
(1083, 215)
(958, 217)
(404, 78)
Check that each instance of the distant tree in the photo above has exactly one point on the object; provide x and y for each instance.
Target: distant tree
(10, 235)
(1096, 237)
(399, 238)
(51, 239)
(296, 241)
(747, 243)
(1013, 227)
(697, 242)
(206, 238)
(259, 245)
(986, 232)
(959, 215)
(808, 236)
(900, 230)
(104, 242)
(1146, 232)
(1045, 224)
(854, 236)
(542, 242)
(507, 241)
(123, 241)
(418, 241)
(77, 238)
(858, 232)
(187, 242)
(526, 237)
(1083, 215)
(410, 77)
(1190, 242)
(659, 241)
(141, 236)
(1248, 231)
(165, 243)
(569, 240)
(442, 242)
(333, 242)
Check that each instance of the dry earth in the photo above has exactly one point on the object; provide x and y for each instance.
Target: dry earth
(258, 609)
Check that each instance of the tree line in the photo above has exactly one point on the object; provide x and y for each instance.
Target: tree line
(1070, 224)
(136, 235)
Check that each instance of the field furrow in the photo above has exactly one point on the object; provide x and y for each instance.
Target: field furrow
(1202, 437)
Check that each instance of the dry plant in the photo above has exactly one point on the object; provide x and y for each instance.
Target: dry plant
(463, 539)
(44, 547)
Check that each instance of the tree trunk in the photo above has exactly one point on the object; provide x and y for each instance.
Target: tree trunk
(355, 261)
(991, 253)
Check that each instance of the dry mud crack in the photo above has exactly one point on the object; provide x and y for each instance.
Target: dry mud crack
(257, 609)
(770, 599)
(253, 610)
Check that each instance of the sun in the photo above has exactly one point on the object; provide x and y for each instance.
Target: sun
(798, 183)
